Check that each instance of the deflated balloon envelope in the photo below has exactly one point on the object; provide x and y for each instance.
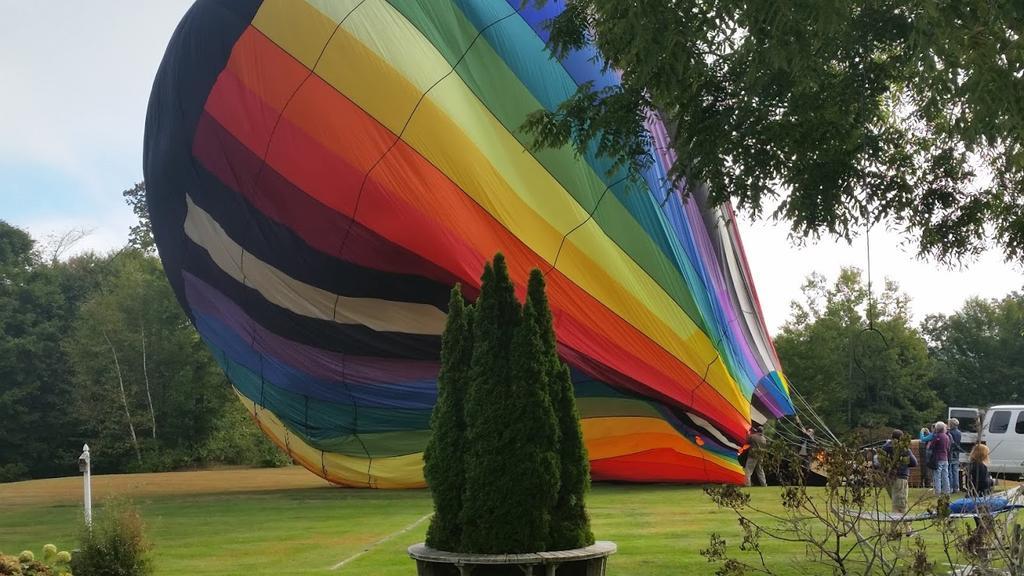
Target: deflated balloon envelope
(320, 173)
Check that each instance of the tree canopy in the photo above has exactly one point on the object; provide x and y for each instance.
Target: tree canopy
(858, 378)
(979, 351)
(842, 113)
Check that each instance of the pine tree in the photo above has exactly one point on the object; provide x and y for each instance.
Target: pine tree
(443, 458)
(488, 515)
(535, 431)
(570, 524)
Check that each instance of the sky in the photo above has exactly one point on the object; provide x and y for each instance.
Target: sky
(74, 83)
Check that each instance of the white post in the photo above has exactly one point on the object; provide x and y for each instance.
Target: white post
(84, 464)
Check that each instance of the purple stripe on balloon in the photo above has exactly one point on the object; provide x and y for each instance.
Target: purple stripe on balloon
(323, 364)
(711, 267)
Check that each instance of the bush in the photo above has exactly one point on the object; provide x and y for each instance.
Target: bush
(570, 524)
(505, 429)
(115, 546)
(443, 459)
(13, 472)
(25, 564)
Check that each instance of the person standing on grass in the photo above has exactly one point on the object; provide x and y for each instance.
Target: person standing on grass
(939, 446)
(806, 445)
(954, 455)
(922, 448)
(758, 444)
(978, 481)
(897, 482)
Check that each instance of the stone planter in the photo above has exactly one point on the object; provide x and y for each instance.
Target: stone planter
(589, 561)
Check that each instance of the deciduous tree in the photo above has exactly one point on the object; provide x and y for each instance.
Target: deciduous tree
(843, 113)
(858, 361)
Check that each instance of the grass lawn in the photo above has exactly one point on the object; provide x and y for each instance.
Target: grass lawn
(287, 521)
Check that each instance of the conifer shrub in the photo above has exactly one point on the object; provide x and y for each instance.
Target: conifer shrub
(570, 524)
(506, 462)
(491, 467)
(443, 458)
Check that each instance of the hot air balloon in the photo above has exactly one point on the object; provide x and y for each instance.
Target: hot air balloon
(320, 173)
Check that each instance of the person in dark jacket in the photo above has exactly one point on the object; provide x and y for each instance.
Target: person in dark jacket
(898, 472)
(979, 482)
(757, 445)
(954, 455)
(938, 445)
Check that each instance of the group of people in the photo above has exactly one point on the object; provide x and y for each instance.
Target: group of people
(753, 450)
(939, 447)
(941, 454)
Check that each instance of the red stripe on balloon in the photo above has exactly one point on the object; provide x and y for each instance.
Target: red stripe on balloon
(661, 465)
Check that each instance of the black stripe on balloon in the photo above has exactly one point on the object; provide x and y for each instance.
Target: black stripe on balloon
(196, 54)
(279, 246)
(352, 339)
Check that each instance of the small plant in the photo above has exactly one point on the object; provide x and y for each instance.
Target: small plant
(116, 545)
(53, 563)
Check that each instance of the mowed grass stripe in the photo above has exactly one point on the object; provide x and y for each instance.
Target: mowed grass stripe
(287, 521)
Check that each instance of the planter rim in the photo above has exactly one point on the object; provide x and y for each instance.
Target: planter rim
(598, 549)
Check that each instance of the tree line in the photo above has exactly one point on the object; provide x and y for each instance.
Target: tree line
(862, 364)
(95, 348)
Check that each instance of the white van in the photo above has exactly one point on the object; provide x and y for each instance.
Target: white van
(1002, 431)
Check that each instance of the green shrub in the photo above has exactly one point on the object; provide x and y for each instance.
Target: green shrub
(115, 546)
(532, 487)
(26, 556)
(13, 472)
(443, 459)
(236, 439)
(570, 524)
(490, 470)
(515, 500)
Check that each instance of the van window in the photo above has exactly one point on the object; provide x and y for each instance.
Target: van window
(1019, 429)
(1000, 422)
(968, 420)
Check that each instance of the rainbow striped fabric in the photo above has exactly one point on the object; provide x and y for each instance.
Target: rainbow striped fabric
(321, 172)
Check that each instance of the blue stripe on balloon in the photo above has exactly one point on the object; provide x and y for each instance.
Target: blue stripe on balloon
(410, 395)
